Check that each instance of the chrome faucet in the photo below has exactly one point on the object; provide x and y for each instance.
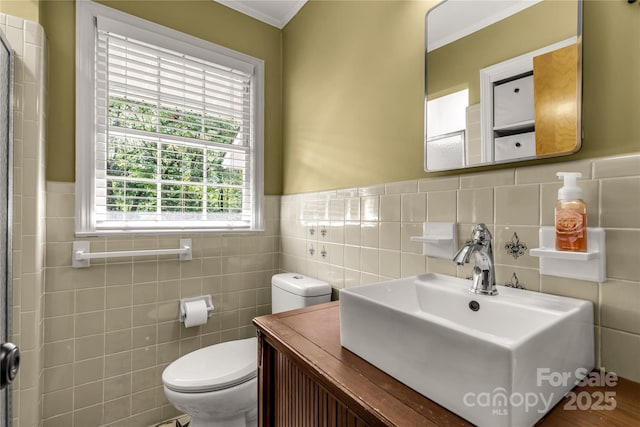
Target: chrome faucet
(484, 275)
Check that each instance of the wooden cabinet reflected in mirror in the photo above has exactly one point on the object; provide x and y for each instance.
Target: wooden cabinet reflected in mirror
(556, 98)
(503, 81)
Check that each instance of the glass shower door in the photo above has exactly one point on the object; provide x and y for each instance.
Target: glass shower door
(9, 353)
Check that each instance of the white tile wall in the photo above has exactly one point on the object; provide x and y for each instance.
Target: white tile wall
(374, 232)
(111, 329)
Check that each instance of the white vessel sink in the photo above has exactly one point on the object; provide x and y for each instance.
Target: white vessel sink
(506, 364)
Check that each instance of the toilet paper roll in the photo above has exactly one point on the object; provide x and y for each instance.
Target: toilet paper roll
(195, 313)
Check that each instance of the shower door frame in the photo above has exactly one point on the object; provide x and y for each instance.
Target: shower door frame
(6, 189)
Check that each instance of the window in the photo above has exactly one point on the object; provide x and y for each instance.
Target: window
(168, 134)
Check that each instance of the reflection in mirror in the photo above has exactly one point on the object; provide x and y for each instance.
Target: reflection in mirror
(503, 81)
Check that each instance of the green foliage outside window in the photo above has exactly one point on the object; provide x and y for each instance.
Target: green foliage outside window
(145, 175)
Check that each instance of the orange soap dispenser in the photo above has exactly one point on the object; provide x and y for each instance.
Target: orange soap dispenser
(571, 215)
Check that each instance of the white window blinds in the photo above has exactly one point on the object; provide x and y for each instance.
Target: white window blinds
(174, 136)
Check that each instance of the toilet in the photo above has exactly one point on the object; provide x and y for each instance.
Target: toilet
(217, 385)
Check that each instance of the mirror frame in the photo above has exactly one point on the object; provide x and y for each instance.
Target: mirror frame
(579, 95)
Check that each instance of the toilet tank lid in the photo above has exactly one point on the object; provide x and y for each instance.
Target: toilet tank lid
(300, 285)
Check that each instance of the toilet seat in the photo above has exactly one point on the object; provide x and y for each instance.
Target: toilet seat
(212, 368)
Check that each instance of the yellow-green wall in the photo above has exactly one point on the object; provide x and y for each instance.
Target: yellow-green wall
(25, 9)
(345, 85)
(204, 19)
(354, 85)
(353, 94)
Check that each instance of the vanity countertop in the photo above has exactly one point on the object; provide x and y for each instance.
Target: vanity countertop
(311, 338)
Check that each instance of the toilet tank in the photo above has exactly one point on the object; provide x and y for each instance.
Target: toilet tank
(291, 290)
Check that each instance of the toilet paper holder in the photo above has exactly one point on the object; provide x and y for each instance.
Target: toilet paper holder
(205, 298)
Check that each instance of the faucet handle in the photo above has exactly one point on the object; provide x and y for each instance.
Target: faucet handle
(480, 234)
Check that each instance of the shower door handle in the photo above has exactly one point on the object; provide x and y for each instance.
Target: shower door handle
(9, 363)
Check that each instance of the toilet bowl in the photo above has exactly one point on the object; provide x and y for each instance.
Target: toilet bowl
(217, 385)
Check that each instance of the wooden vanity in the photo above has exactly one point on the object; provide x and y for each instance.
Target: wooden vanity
(306, 378)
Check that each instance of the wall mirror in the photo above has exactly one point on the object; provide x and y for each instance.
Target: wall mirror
(503, 81)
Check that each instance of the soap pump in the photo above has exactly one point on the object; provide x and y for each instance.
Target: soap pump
(570, 215)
